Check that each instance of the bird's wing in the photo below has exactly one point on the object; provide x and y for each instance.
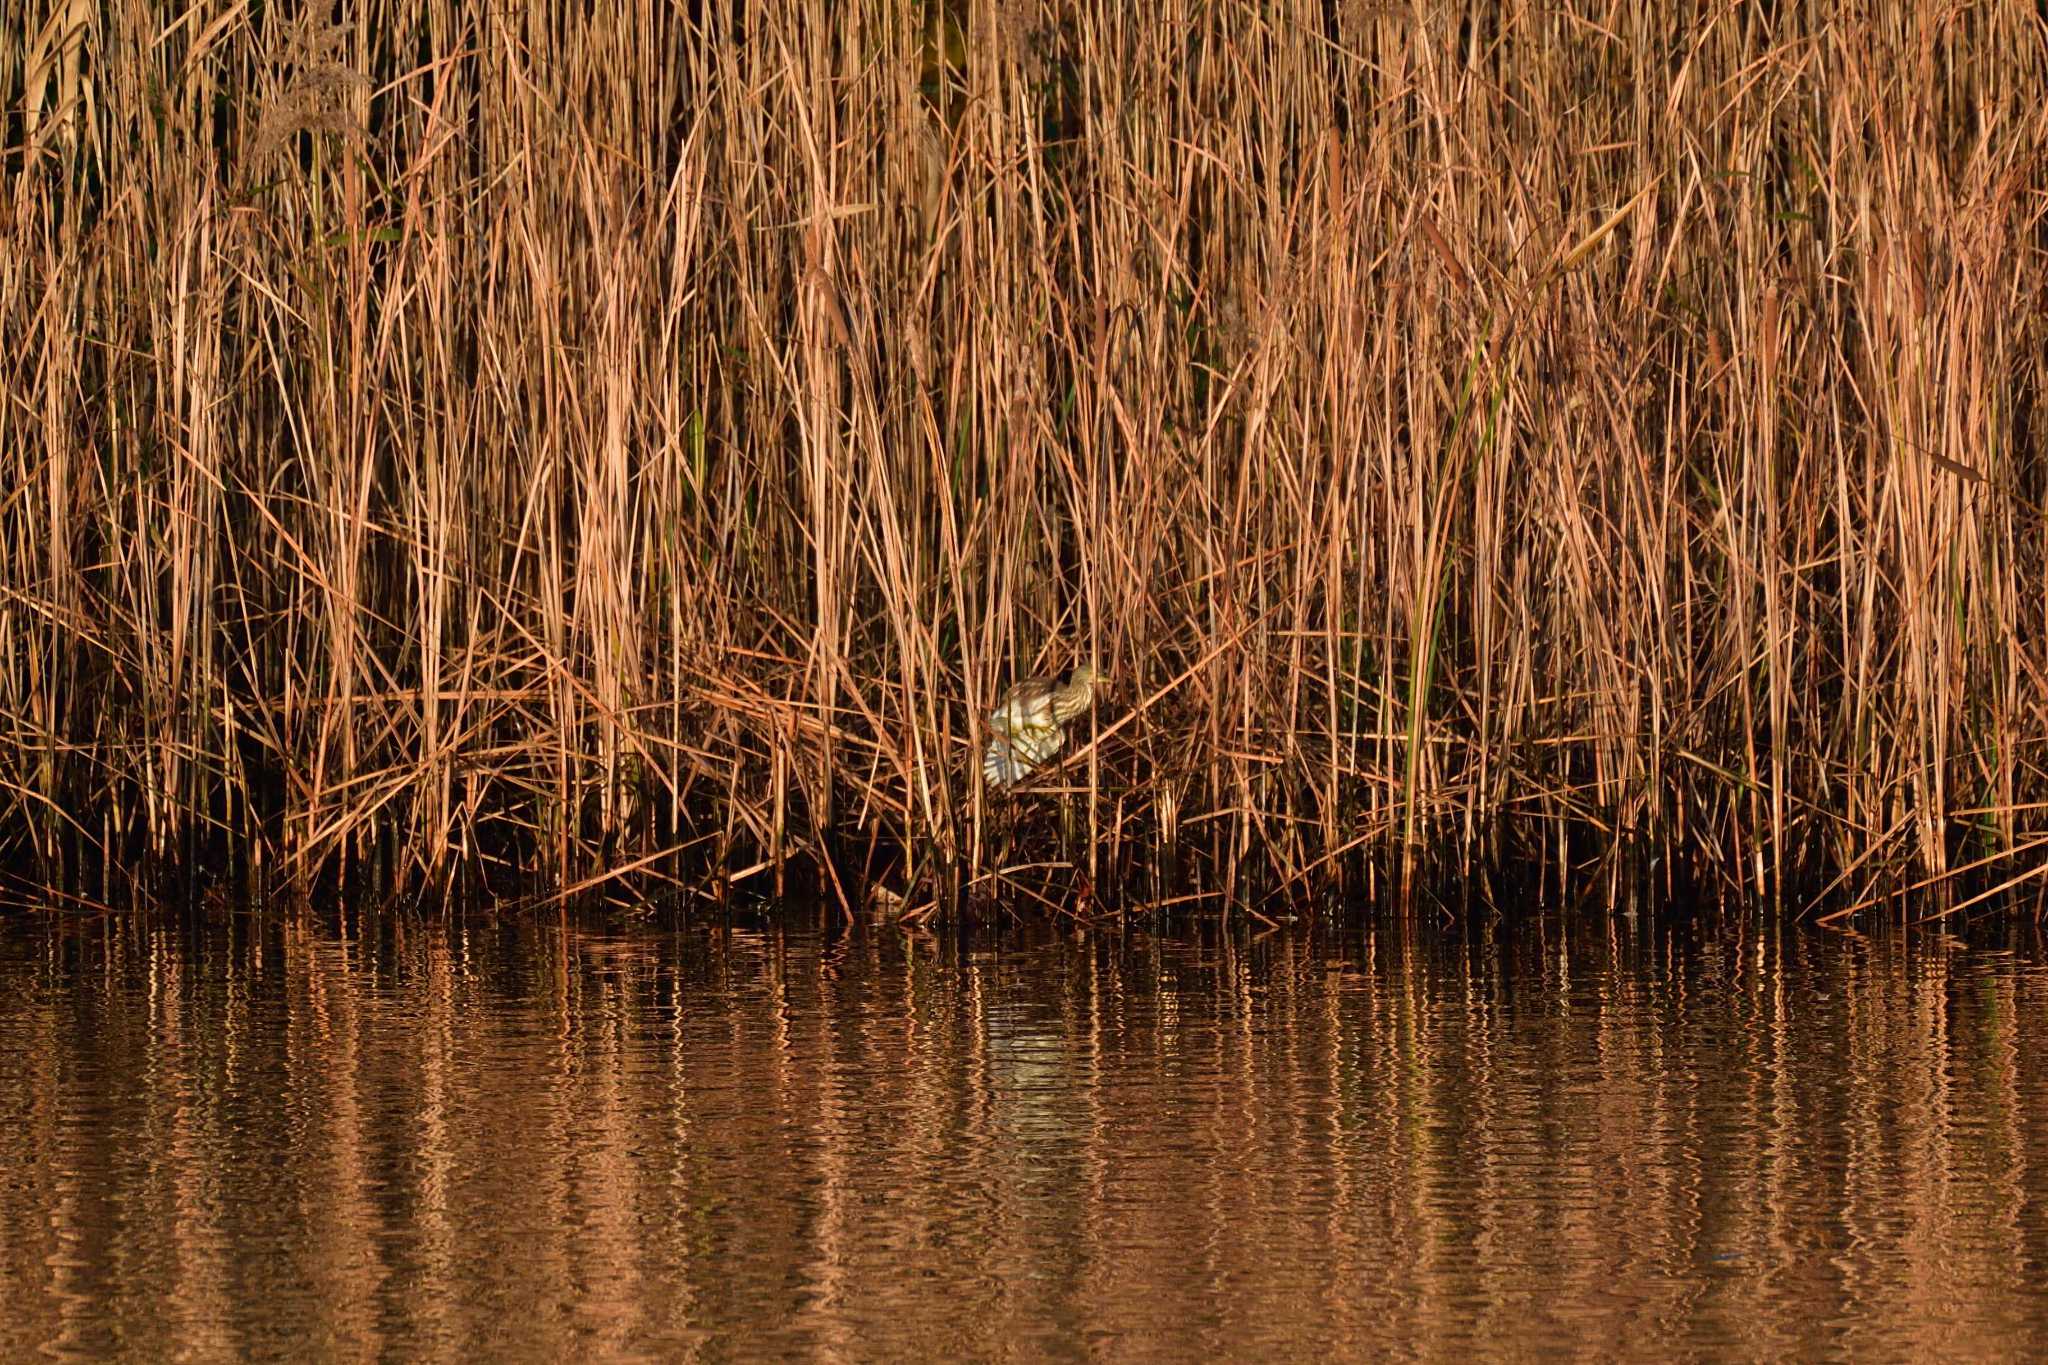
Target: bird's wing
(1012, 754)
(1025, 705)
(1002, 766)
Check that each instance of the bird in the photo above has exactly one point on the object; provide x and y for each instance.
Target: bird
(1025, 726)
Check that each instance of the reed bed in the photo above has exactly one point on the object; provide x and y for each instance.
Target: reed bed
(569, 441)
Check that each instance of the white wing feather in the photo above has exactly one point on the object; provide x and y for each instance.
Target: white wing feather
(1013, 754)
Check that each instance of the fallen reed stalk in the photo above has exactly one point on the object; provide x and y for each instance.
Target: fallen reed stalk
(553, 440)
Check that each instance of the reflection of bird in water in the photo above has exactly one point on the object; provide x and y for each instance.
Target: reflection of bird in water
(1025, 726)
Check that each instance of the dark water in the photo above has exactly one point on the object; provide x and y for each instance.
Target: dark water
(552, 1142)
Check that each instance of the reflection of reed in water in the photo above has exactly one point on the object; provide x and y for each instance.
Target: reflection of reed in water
(1216, 1148)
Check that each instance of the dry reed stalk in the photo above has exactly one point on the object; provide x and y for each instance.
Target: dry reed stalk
(539, 441)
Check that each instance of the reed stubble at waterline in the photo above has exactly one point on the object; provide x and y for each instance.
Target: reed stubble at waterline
(549, 449)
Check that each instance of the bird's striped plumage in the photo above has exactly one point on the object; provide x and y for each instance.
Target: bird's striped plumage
(1024, 729)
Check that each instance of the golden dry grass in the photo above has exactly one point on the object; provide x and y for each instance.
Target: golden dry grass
(561, 439)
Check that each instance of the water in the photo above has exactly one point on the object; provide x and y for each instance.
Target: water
(548, 1142)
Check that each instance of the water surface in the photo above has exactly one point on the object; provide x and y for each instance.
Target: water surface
(791, 1139)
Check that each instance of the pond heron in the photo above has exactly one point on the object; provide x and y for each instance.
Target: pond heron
(1025, 728)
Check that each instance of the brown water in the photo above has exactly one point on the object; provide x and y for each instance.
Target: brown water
(522, 1141)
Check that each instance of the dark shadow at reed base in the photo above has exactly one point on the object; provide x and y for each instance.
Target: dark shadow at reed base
(1520, 870)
